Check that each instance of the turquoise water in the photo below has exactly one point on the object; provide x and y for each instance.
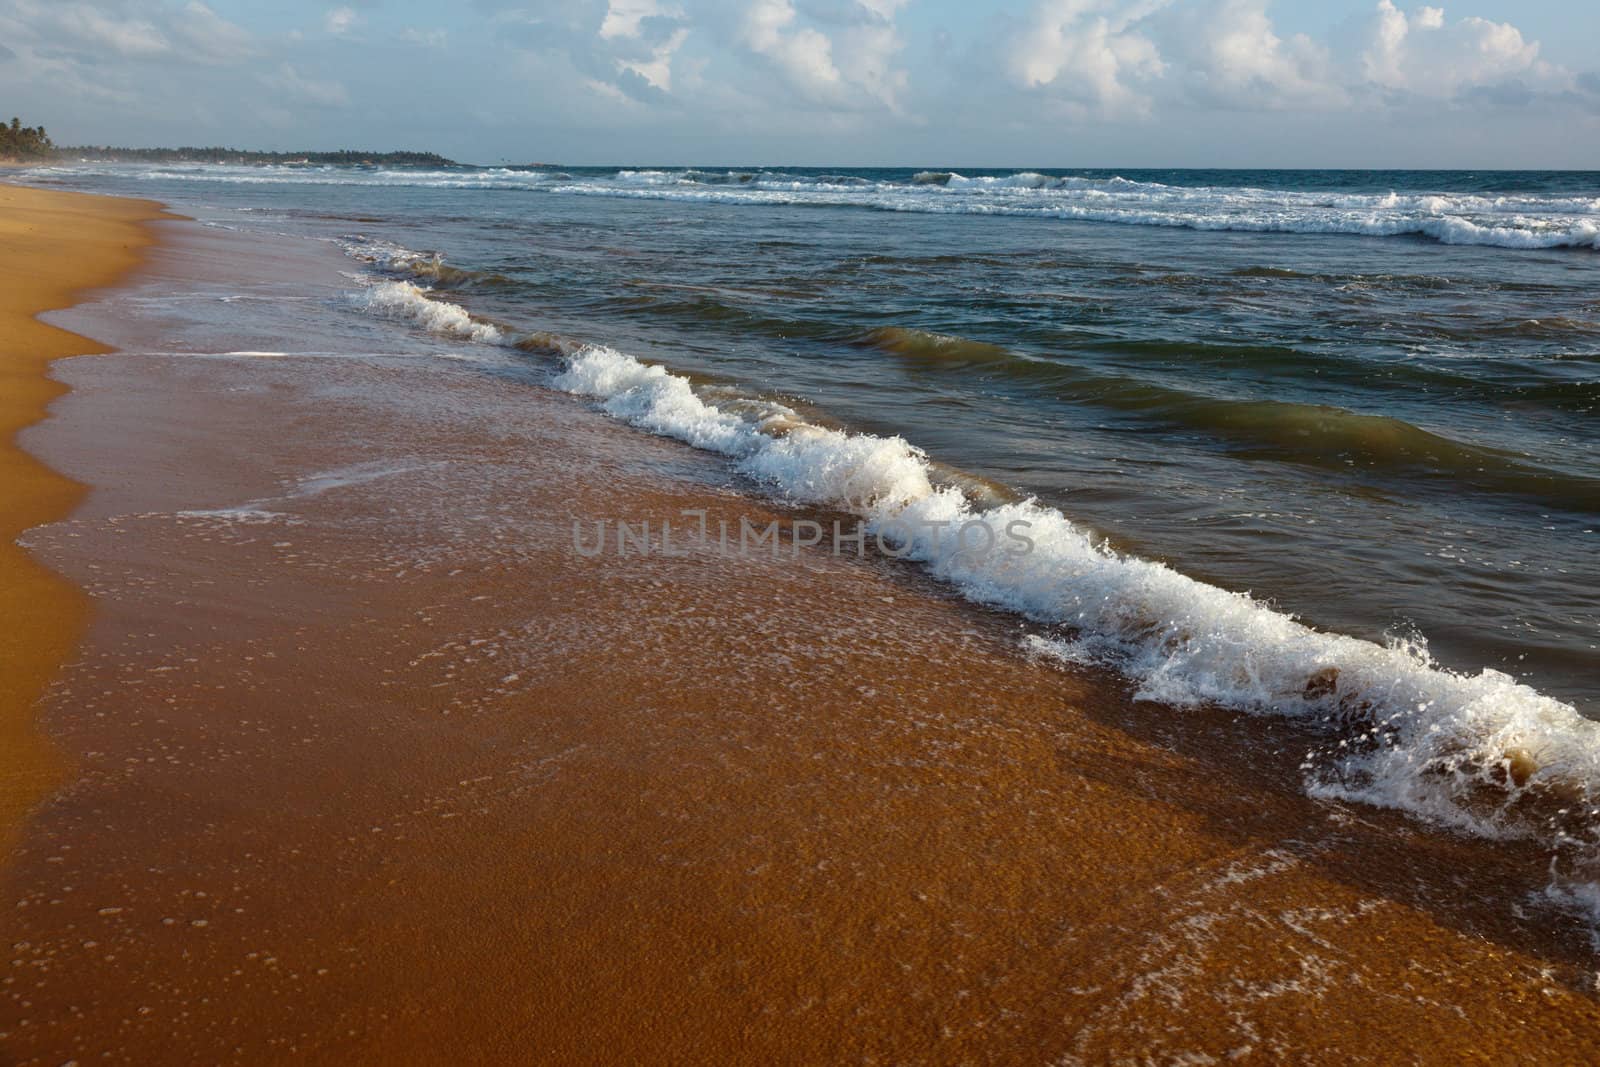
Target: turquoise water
(1368, 399)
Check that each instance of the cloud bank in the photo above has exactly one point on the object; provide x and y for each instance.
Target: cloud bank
(701, 78)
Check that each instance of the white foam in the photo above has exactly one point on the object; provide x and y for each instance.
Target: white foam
(1513, 221)
(1432, 740)
(344, 477)
(243, 515)
(1520, 222)
(386, 255)
(649, 397)
(407, 301)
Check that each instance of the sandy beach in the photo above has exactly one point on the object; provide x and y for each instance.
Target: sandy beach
(361, 761)
(58, 246)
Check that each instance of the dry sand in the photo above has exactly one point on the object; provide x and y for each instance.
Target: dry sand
(54, 247)
(373, 768)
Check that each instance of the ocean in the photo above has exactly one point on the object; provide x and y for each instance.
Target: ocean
(1312, 444)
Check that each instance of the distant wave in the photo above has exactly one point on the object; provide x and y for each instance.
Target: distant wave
(1511, 221)
(1478, 752)
(1521, 222)
(1307, 433)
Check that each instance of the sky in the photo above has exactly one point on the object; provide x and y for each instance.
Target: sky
(1043, 83)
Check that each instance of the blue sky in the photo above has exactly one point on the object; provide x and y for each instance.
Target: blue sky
(1494, 83)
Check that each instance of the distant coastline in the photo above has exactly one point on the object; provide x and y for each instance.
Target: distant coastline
(218, 154)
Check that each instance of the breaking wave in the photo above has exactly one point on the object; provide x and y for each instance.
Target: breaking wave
(405, 300)
(1521, 220)
(1476, 752)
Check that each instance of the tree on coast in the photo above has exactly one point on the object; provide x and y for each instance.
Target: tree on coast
(345, 157)
(19, 142)
(25, 142)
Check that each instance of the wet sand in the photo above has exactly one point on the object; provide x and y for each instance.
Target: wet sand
(56, 246)
(372, 766)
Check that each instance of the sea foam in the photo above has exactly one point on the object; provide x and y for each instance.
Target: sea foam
(1522, 221)
(1512, 222)
(404, 300)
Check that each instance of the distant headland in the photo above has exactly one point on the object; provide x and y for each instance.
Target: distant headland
(217, 154)
(31, 144)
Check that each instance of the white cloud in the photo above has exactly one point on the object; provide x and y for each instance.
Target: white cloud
(340, 20)
(866, 51)
(203, 34)
(842, 56)
(294, 87)
(425, 38)
(623, 17)
(632, 32)
(192, 33)
(95, 29)
(1089, 53)
(93, 34)
(870, 74)
(1427, 55)
(657, 69)
(1229, 53)
(1115, 58)
(1086, 60)
(802, 53)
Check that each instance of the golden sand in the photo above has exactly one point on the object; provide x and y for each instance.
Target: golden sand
(53, 247)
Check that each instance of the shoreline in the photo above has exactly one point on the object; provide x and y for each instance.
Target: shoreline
(370, 765)
(60, 247)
